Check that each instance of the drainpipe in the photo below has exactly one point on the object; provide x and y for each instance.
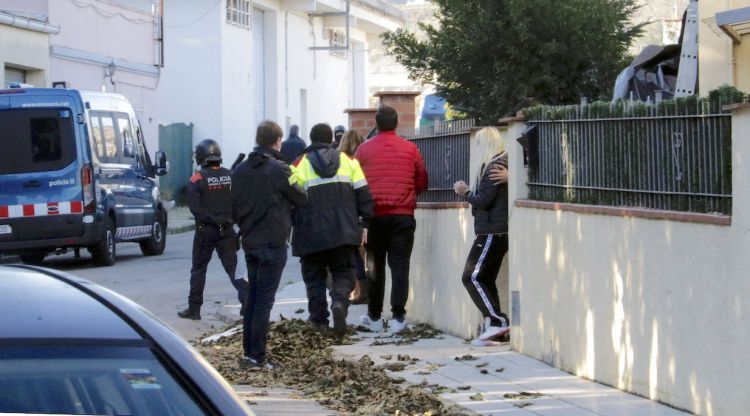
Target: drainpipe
(28, 24)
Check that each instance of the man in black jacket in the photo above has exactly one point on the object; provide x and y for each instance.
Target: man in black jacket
(209, 199)
(327, 230)
(264, 190)
(293, 146)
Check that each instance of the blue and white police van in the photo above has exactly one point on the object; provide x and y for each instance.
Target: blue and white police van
(75, 173)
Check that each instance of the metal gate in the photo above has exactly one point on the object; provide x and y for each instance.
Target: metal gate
(176, 140)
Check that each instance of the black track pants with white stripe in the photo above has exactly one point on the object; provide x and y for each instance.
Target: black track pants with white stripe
(480, 274)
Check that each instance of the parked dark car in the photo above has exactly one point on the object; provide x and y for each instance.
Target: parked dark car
(69, 346)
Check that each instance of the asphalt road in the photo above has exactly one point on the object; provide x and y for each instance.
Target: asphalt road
(161, 283)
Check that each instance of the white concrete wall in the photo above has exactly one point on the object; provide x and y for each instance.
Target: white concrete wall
(237, 94)
(190, 86)
(436, 295)
(27, 50)
(209, 76)
(108, 31)
(651, 306)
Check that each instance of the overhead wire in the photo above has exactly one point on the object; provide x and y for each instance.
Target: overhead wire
(196, 20)
(102, 13)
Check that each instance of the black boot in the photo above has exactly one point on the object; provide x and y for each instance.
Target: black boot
(191, 312)
(339, 312)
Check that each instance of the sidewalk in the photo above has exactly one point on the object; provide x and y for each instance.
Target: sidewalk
(498, 379)
(179, 220)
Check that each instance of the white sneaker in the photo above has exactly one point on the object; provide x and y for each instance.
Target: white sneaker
(375, 326)
(494, 331)
(480, 343)
(486, 323)
(396, 326)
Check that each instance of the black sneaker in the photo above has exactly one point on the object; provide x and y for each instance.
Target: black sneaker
(254, 365)
(191, 312)
(339, 312)
(320, 327)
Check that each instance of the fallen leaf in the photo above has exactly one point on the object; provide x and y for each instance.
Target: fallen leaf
(477, 397)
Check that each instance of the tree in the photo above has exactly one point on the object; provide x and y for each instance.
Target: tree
(486, 56)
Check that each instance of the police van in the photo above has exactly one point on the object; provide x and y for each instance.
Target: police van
(75, 173)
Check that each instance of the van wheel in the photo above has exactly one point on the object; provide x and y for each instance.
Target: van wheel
(104, 252)
(33, 257)
(154, 245)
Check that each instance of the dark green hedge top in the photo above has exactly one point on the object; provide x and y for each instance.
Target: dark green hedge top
(683, 106)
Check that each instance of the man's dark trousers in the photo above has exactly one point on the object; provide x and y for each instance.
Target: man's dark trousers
(208, 238)
(264, 268)
(315, 266)
(389, 237)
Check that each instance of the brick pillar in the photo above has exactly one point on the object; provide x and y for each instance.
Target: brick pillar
(404, 103)
(361, 119)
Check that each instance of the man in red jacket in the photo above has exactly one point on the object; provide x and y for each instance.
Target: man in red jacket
(396, 174)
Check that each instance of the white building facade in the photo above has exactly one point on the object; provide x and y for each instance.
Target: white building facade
(230, 64)
(102, 45)
(24, 48)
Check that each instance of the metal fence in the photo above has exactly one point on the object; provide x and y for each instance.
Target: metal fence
(679, 162)
(445, 148)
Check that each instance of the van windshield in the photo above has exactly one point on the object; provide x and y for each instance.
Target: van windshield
(36, 140)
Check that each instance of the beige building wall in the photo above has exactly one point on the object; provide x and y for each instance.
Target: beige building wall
(720, 60)
(655, 307)
(27, 50)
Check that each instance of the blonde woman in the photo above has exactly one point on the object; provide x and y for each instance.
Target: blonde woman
(489, 206)
(349, 144)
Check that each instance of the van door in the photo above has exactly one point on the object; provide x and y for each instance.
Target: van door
(136, 177)
(39, 178)
(117, 176)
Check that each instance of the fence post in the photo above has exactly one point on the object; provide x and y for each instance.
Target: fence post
(517, 173)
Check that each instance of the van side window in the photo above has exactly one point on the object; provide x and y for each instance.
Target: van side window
(104, 136)
(126, 135)
(96, 135)
(109, 136)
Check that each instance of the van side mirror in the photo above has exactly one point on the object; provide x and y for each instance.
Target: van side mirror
(161, 166)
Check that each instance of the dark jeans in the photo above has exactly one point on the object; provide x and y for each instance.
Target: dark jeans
(391, 238)
(360, 264)
(205, 241)
(315, 266)
(264, 268)
(480, 274)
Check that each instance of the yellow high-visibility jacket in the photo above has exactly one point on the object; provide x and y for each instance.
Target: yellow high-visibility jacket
(339, 201)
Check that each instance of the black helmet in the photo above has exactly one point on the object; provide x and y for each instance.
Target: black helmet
(338, 133)
(207, 151)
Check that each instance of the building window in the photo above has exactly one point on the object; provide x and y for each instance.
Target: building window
(238, 13)
(337, 42)
(14, 75)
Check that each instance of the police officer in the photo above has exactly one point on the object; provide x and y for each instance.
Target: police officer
(210, 201)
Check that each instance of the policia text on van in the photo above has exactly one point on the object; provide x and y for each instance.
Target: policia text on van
(75, 173)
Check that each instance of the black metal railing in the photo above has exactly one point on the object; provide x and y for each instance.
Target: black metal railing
(445, 149)
(679, 162)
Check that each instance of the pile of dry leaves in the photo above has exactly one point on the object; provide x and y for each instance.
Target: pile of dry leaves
(307, 364)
